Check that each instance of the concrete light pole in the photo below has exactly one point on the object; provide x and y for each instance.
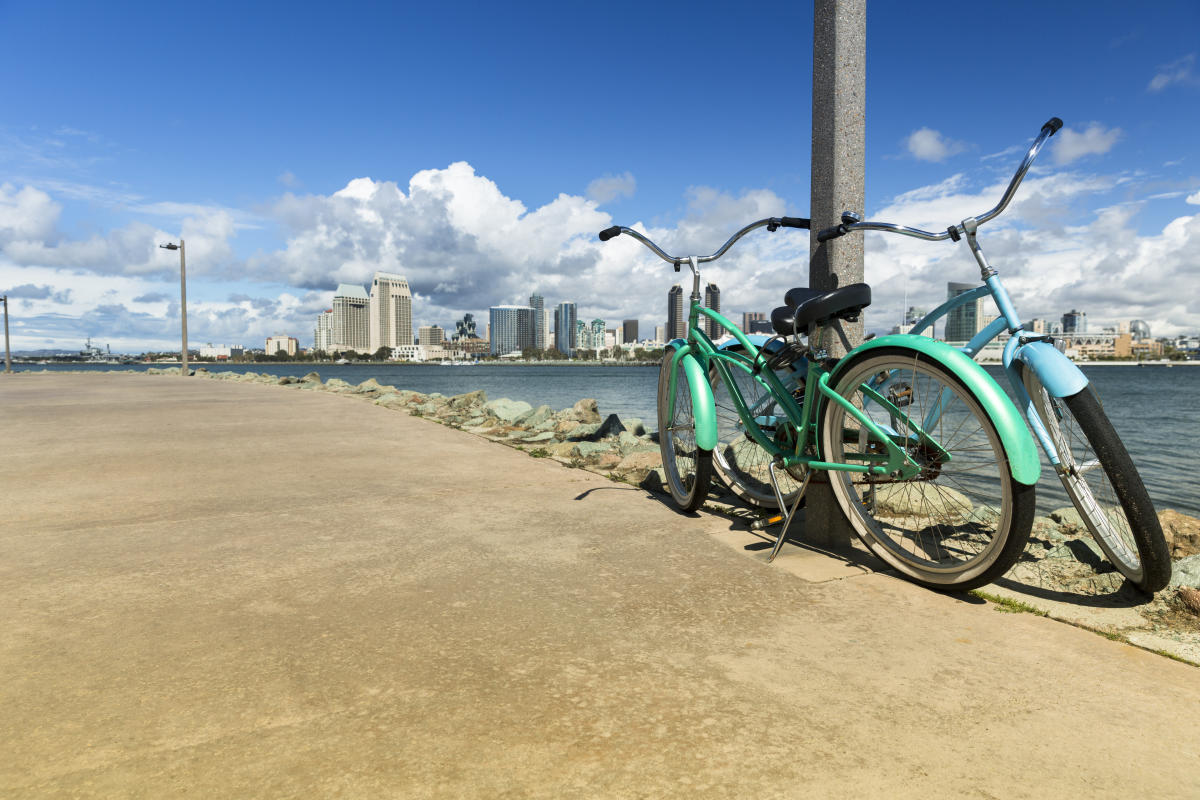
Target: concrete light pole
(838, 170)
(183, 370)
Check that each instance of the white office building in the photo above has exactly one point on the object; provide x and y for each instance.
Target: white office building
(390, 312)
(512, 329)
(431, 335)
(351, 319)
(288, 344)
(323, 333)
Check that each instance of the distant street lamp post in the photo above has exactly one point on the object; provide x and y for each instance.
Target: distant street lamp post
(183, 370)
(7, 352)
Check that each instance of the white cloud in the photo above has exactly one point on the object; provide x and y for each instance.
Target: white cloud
(1070, 145)
(26, 214)
(1193, 199)
(610, 187)
(926, 144)
(1179, 71)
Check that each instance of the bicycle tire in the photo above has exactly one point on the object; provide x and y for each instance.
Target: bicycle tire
(688, 467)
(964, 520)
(738, 460)
(1112, 501)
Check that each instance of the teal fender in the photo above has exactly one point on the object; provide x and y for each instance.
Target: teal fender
(1023, 460)
(704, 410)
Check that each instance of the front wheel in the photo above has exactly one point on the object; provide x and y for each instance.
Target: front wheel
(688, 468)
(1103, 484)
(963, 520)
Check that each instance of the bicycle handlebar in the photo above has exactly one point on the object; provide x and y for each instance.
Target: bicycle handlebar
(771, 224)
(1052, 126)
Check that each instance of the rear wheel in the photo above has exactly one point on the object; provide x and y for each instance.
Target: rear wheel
(963, 520)
(688, 468)
(1103, 484)
(739, 460)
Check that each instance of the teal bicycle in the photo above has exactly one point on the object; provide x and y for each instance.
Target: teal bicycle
(1062, 408)
(928, 458)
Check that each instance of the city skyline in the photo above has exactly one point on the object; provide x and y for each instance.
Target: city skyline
(288, 176)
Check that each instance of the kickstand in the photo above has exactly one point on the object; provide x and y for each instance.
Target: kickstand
(789, 515)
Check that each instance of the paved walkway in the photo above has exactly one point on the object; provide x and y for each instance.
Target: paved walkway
(234, 590)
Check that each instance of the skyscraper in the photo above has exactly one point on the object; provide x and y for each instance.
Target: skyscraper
(431, 335)
(537, 303)
(749, 317)
(351, 319)
(1074, 321)
(391, 311)
(676, 319)
(323, 333)
(629, 331)
(512, 328)
(712, 299)
(564, 329)
(465, 328)
(967, 320)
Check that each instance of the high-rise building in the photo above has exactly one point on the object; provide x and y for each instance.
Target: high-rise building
(323, 333)
(676, 318)
(660, 331)
(548, 327)
(1074, 321)
(564, 329)
(288, 344)
(351, 319)
(1036, 325)
(538, 304)
(712, 299)
(465, 328)
(749, 317)
(598, 332)
(512, 328)
(967, 320)
(431, 335)
(391, 312)
(629, 331)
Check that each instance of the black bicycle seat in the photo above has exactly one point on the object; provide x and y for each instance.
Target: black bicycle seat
(808, 306)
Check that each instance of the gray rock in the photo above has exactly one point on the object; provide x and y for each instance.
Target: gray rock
(507, 410)
(1068, 520)
(627, 442)
(583, 432)
(337, 385)
(1186, 572)
(612, 426)
(635, 426)
(923, 500)
(539, 437)
(371, 385)
(594, 449)
(586, 410)
(312, 377)
(468, 399)
(535, 417)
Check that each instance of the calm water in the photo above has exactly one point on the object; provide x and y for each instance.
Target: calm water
(1152, 408)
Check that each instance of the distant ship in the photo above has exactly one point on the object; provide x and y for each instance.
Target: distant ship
(92, 354)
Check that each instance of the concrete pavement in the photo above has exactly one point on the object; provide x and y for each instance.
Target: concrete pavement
(235, 590)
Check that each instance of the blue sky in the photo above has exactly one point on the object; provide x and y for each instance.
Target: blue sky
(477, 148)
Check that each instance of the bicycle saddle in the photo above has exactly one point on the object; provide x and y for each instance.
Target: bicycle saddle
(808, 306)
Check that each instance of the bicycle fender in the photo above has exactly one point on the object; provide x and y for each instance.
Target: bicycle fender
(704, 409)
(1023, 460)
(1057, 373)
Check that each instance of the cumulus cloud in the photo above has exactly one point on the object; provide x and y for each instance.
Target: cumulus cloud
(926, 144)
(1177, 72)
(1193, 199)
(610, 187)
(1070, 145)
(26, 214)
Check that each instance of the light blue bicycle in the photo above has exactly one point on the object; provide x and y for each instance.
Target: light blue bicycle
(1060, 405)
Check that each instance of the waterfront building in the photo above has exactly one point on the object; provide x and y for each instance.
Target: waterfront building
(538, 304)
(1140, 330)
(391, 312)
(598, 331)
(749, 317)
(323, 333)
(1036, 326)
(1074, 322)
(512, 328)
(351, 319)
(968, 319)
(431, 335)
(221, 352)
(564, 329)
(760, 326)
(288, 344)
(548, 327)
(660, 333)
(712, 300)
(629, 331)
(465, 328)
(611, 339)
(676, 318)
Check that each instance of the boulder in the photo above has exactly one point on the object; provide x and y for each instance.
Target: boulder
(287, 380)
(584, 432)
(507, 410)
(611, 426)
(1182, 533)
(312, 377)
(538, 437)
(1186, 572)
(636, 465)
(337, 385)
(468, 399)
(593, 449)
(535, 417)
(566, 426)
(371, 385)
(586, 410)
(635, 426)
(940, 504)
(627, 442)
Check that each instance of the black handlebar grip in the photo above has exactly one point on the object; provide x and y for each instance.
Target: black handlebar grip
(795, 222)
(609, 233)
(1055, 124)
(831, 233)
